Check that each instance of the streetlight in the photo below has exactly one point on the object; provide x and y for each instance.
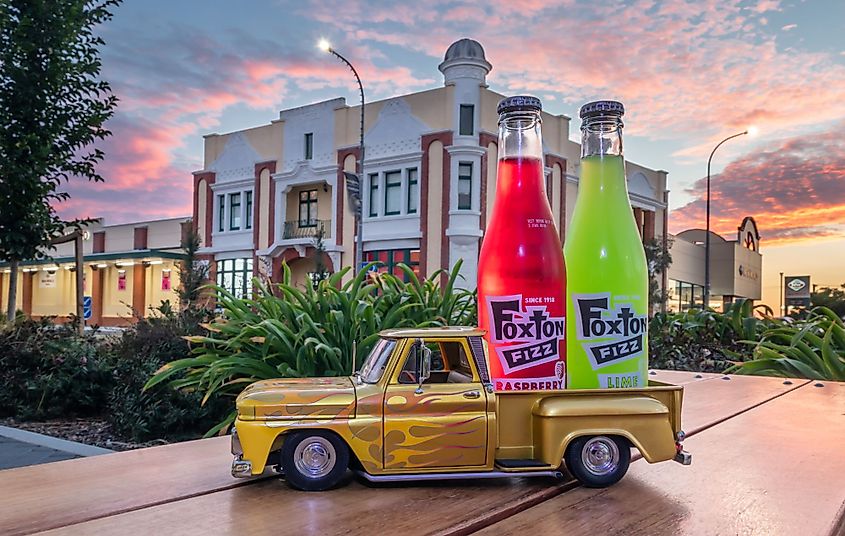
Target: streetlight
(752, 131)
(355, 190)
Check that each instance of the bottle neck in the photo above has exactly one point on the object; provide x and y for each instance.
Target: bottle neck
(601, 136)
(520, 136)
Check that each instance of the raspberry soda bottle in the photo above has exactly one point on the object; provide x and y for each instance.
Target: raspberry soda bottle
(607, 301)
(521, 273)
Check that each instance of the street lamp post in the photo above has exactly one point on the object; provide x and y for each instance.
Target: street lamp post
(706, 303)
(325, 46)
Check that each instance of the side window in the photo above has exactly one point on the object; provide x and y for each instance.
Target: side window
(449, 364)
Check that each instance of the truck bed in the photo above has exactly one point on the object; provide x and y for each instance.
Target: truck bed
(531, 424)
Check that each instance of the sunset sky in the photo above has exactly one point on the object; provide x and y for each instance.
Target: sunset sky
(689, 73)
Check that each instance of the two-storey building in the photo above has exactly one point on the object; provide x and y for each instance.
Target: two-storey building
(428, 185)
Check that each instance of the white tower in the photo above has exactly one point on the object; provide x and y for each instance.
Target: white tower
(465, 68)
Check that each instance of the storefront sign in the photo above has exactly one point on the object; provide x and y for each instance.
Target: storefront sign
(46, 279)
(165, 279)
(797, 290)
(750, 273)
(121, 280)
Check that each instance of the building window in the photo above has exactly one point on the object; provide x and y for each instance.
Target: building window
(234, 211)
(309, 145)
(221, 213)
(235, 276)
(465, 186)
(248, 202)
(390, 259)
(373, 201)
(308, 208)
(392, 193)
(466, 126)
(413, 191)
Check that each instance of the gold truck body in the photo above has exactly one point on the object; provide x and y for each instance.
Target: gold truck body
(398, 423)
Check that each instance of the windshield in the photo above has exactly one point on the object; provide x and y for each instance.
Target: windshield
(374, 365)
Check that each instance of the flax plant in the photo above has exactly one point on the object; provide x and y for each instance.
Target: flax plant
(285, 331)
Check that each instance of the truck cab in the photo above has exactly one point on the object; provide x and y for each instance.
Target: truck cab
(422, 407)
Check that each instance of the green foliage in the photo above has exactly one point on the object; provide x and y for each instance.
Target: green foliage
(658, 259)
(193, 274)
(812, 348)
(704, 340)
(50, 371)
(832, 298)
(160, 412)
(286, 331)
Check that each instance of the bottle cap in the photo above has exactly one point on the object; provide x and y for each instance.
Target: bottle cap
(525, 103)
(602, 107)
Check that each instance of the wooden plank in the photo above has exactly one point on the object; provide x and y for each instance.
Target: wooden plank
(270, 507)
(51, 495)
(446, 507)
(680, 377)
(716, 399)
(776, 469)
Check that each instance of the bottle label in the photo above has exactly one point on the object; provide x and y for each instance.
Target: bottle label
(525, 335)
(609, 335)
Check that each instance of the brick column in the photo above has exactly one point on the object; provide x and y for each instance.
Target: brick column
(139, 289)
(26, 293)
(140, 238)
(648, 225)
(97, 283)
(209, 178)
(638, 217)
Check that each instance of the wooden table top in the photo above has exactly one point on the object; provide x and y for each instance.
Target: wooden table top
(186, 488)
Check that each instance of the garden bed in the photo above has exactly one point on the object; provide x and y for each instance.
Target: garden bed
(95, 432)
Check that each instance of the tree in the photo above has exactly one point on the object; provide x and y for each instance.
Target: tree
(832, 298)
(658, 259)
(193, 274)
(321, 271)
(52, 108)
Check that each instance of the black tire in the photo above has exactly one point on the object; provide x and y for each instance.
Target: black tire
(598, 461)
(314, 460)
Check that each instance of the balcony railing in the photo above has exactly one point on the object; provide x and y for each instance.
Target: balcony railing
(306, 229)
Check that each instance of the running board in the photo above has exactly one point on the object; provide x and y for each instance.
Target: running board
(456, 476)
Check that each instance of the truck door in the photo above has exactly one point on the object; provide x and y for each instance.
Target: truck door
(442, 423)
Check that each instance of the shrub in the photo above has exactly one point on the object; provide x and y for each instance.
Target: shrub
(705, 340)
(50, 371)
(160, 412)
(286, 331)
(813, 348)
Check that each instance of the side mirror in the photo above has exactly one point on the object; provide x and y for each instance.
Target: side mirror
(424, 365)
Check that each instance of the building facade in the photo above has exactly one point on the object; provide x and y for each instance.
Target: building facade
(429, 180)
(736, 268)
(128, 268)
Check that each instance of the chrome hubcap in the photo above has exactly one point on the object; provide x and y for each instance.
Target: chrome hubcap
(600, 455)
(314, 457)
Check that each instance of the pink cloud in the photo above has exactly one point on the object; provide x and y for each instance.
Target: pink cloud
(795, 189)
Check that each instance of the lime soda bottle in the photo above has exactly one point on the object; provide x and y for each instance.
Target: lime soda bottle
(607, 276)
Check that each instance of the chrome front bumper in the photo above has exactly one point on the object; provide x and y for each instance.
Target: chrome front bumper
(241, 468)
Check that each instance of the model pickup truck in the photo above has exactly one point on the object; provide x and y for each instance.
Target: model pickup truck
(422, 407)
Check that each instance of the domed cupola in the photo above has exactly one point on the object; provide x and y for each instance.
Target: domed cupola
(465, 59)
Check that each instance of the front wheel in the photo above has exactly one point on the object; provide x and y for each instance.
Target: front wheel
(598, 461)
(314, 460)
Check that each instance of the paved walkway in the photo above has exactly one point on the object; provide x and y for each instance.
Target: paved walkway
(19, 448)
(14, 453)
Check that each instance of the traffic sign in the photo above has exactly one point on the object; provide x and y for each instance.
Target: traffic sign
(87, 308)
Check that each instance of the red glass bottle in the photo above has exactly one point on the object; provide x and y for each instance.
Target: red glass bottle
(521, 273)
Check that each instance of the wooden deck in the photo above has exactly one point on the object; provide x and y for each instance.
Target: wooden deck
(767, 459)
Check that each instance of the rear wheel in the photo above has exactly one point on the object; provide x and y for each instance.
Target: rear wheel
(314, 460)
(598, 461)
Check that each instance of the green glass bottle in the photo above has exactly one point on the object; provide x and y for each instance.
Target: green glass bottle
(607, 276)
